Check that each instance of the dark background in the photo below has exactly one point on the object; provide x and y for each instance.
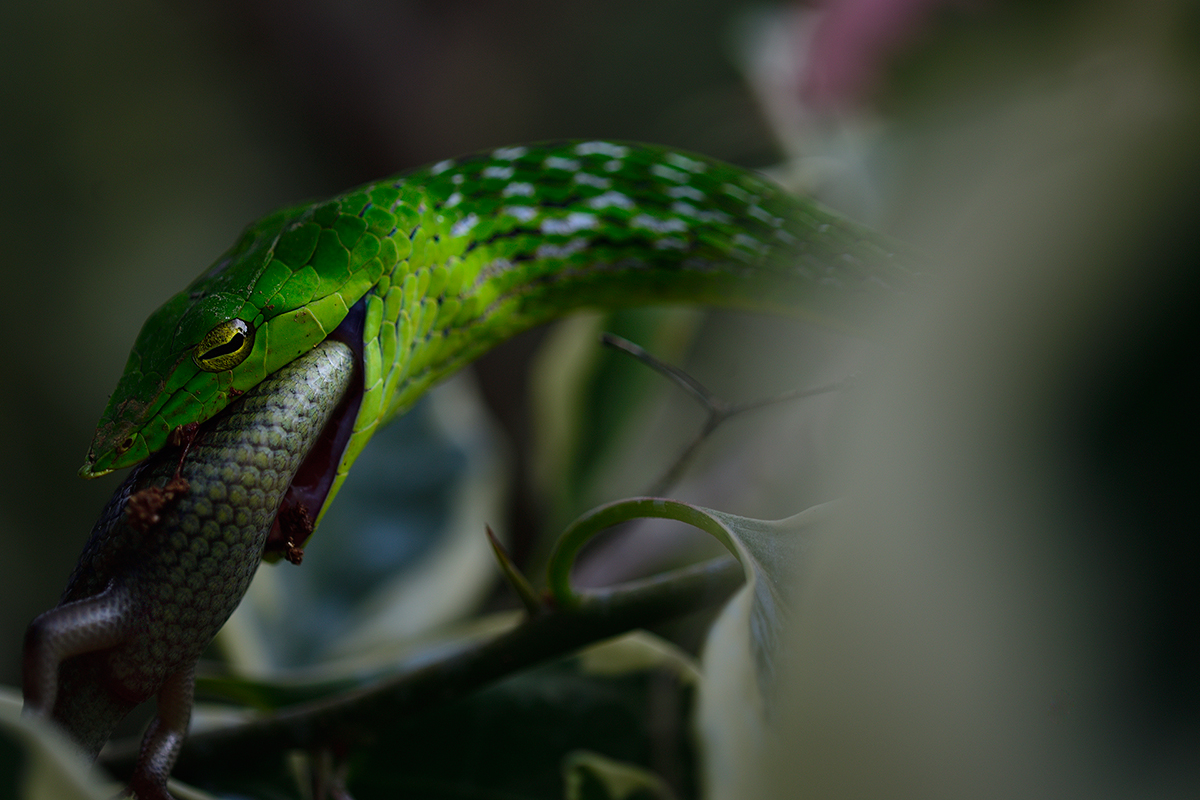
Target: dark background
(139, 137)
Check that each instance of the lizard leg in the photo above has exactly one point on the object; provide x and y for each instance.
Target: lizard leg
(164, 737)
(81, 626)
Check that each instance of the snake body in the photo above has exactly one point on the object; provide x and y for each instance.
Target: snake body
(406, 280)
(449, 260)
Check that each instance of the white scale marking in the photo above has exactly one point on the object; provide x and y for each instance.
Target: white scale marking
(453, 200)
(503, 173)
(588, 179)
(602, 148)
(557, 162)
(522, 213)
(758, 212)
(519, 189)
(509, 153)
(464, 225)
(647, 222)
(441, 166)
(610, 200)
(690, 192)
(750, 243)
(612, 166)
(564, 250)
(663, 171)
(573, 223)
(688, 210)
(685, 163)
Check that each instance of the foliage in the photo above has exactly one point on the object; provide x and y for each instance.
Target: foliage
(971, 624)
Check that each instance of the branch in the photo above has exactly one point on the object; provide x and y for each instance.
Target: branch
(352, 716)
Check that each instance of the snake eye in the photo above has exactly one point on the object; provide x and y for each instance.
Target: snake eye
(225, 346)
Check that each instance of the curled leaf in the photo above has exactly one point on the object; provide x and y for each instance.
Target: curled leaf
(770, 552)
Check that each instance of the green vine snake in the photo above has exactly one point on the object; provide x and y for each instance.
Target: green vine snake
(408, 279)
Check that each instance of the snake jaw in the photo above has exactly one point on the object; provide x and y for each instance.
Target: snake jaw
(123, 446)
(89, 469)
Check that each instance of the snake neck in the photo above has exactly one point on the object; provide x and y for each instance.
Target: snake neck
(470, 251)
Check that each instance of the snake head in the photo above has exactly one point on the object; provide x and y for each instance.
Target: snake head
(275, 295)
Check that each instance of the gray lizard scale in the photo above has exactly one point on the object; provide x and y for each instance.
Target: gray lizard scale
(178, 581)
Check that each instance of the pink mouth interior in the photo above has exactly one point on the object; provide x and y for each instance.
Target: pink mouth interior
(311, 483)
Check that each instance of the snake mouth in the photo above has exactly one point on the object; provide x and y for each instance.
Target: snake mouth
(310, 485)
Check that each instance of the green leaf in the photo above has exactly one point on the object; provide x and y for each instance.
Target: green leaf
(742, 651)
(629, 698)
(770, 553)
(38, 763)
(591, 776)
(740, 656)
(516, 739)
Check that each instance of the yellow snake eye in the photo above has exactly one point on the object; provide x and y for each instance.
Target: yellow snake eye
(225, 346)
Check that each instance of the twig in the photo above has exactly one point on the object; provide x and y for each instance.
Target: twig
(353, 715)
(719, 410)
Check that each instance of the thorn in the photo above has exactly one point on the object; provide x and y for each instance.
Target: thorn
(520, 584)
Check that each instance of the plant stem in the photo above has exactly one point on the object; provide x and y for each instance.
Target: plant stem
(351, 716)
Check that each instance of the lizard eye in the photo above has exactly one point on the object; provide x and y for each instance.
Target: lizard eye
(225, 346)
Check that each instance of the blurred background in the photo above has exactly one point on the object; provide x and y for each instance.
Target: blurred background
(140, 137)
(1011, 606)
